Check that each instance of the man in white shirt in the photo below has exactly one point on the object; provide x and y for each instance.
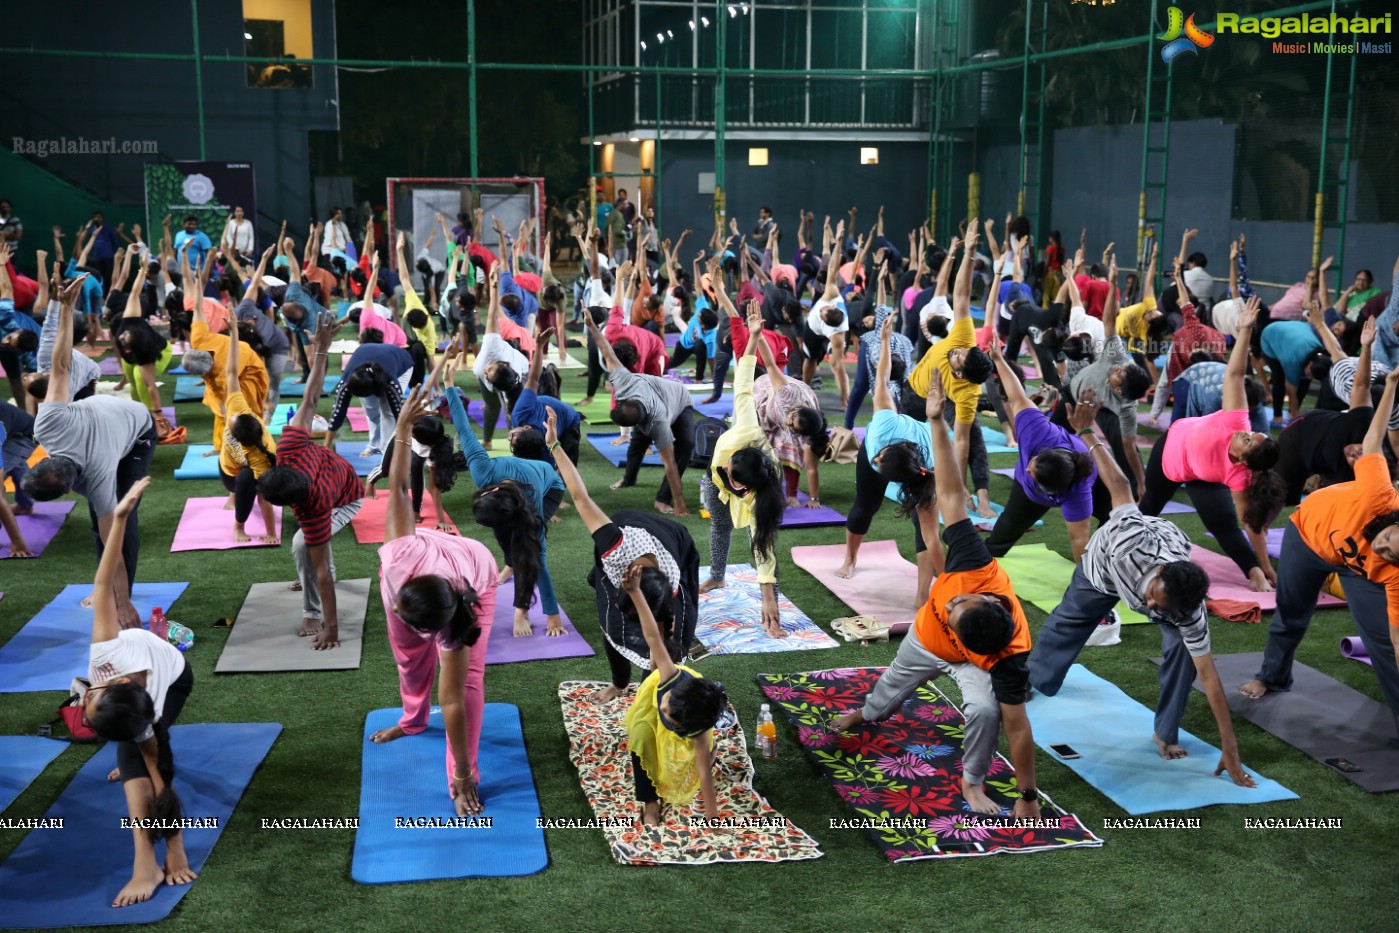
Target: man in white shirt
(238, 234)
(337, 235)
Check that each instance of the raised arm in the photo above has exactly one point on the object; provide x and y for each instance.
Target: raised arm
(110, 572)
(1234, 395)
(604, 349)
(945, 270)
(493, 309)
(883, 398)
(1016, 399)
(1374, 438)
(1312, 312)
(1081, 418)
(1360, 386)
(398, 516)
(592, 516)
(962, 292)
(1322, 293)
(63, 344)
(315, 379)
(990, 227)
(536, 359)
(1110, 305)
(951, 490)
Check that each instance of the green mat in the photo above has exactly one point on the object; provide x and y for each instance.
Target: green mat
(599, 413)
(1041, 576)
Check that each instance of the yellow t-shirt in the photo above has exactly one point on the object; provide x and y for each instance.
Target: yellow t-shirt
(669, 760)
(428, 335)
(746, 432)
(962, 394)
(1131, 321)
(233, 456)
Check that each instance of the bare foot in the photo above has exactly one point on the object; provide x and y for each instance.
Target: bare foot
(505, 574)
(975, 796)
(606, 694)
(228, 504)
(86, 603)
(1169, 750)
(239, 535)
(619, 441)
(847, 722)
(309, 628)
(522, 626)
(664, 508)
(1255, 689)
(708, 585)
(22, 509)
(651, 813)
(985, 511)
(387, 735)
(618, 485)
(773, 630)
(584, 401)
(371, 452)
(847, 570)
(270, 539)
(114, 775)
(295, 586)
(140, 888)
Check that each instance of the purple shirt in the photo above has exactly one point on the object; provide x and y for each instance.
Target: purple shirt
(1035, 433)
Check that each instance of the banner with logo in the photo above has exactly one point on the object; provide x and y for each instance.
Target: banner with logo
(208, 190)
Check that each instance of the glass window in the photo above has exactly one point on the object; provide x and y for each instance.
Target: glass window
(757, 157)
(869, 155)
(278, 30)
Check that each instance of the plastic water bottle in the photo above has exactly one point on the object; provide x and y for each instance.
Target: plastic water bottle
(767, 734)
(158, 624)
(763, 712)
(181, 636)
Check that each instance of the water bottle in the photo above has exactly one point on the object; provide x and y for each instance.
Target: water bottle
(767, 735)
(179, 635)
(158, 625)
(763, 712)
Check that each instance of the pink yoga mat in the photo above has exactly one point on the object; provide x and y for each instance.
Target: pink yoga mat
(368, 523)
(359, 423)
(505, 648)
(1353, 648)
(883, 584)
(207, 526)
(38, 529)
(1227, 582)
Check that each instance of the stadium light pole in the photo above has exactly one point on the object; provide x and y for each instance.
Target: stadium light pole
(471, 86)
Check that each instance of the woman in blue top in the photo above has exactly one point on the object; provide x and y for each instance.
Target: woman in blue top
(531, 409)
(1053, 470)
(515, 499)
(698, 338)
(897, 449)
(869, 353)
(1290, 348)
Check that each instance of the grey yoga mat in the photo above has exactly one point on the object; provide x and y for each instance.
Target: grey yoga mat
(1320, 717)
(264, 636)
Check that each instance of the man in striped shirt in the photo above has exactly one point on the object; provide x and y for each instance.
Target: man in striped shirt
(1145, 562)
(324, 492)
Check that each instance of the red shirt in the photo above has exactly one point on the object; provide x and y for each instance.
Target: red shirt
(1094, 293)
(1193, 335)
(650, 349)
(780, 346)
(333, 482)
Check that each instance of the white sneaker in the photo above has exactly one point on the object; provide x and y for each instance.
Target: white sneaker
(1108, 632)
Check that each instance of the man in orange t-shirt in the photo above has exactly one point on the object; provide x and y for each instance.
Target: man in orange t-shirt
(1351, 530)
(973, 628)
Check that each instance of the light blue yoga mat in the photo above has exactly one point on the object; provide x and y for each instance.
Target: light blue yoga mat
(1112, 734)
(293, 389)
(22, 759)
(407, 779)
(280, 416)
(617, 456)
(52, 648)
(68, 877)
(189, 389)
(196, 465)
(351, 450)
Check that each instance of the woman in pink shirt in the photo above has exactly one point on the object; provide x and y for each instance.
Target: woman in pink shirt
(439, 596)
(1218, 457)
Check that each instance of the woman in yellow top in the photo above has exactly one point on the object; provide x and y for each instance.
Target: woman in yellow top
(670, 724)
(417, 323)
(1143, 327)
(744, 487)
(247, 450)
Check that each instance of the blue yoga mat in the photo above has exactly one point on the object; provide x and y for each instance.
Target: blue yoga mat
(281, 415)
(52, 648)
(68, 877)
(1112, 732)
(196, 465)
(189, 389)
(22, 759)
(724, 406)
(351, 450)
(617, 456)
(293, 389)
(408, 779)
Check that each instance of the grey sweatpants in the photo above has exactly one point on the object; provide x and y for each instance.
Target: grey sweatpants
(276, 367)
(911, 668)
(306, 568)
(1067, 630)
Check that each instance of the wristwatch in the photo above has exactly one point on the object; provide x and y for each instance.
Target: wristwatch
(1030, 794)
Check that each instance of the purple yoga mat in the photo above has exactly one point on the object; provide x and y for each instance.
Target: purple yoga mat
(1352, 647)
(672, 340)
(476, 411)
(859, 434)
(38, 529)
(505, 648)
(802, 517)
(110, 366)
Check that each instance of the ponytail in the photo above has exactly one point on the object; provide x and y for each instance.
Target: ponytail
(447, 461)
(124, 714)
(811, 424)
(167, 807)
(752, 468)
(1265, 496)
(507, 506)
(431, 603)
(902, 463)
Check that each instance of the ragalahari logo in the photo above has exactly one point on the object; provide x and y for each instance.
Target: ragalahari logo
(1182, 35)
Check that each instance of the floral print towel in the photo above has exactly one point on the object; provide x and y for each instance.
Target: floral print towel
(753, 831)
(731, 618)
(902, 776)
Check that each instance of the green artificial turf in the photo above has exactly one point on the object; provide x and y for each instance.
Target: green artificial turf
(1220, 876)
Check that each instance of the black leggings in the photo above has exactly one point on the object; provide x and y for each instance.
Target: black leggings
(595, 370)
(699, 351)
(491, 399)
(1021, 513)
(1213, 501)
(505, 537)
(415, 474)
(645, 790)
(683, 430)
(1278, 379)
(869, 499)
(129, 760)
(244, 489)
